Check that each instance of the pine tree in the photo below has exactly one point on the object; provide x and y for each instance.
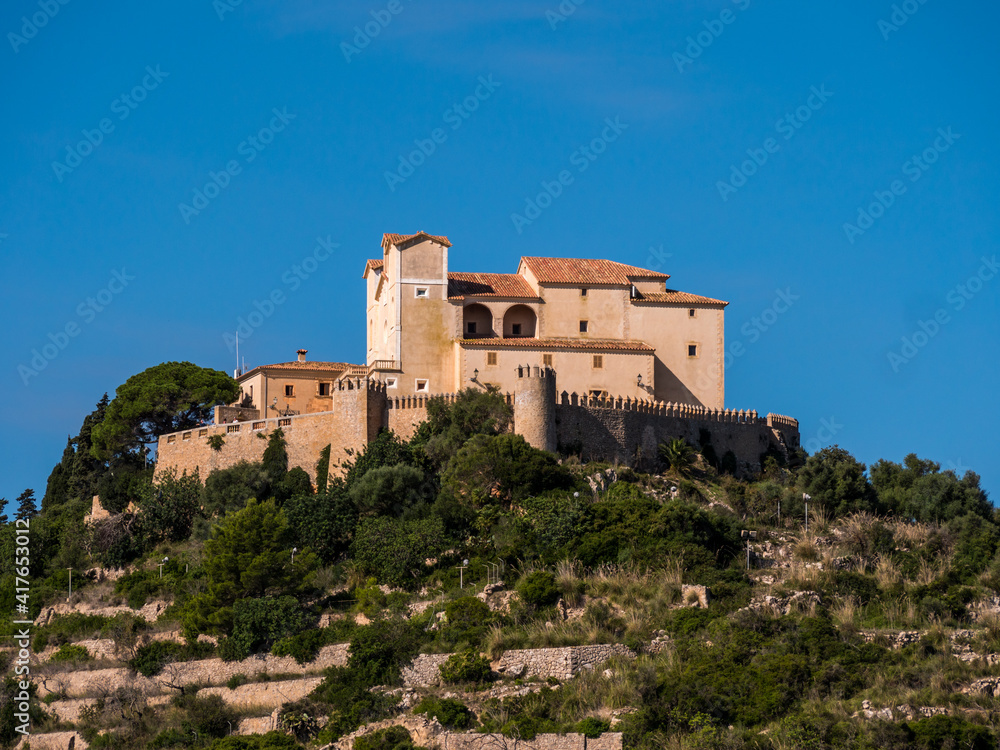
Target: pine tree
(26, 505)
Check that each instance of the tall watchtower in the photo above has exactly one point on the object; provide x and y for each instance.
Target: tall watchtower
(535, 406)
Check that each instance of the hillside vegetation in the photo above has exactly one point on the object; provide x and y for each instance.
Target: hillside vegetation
(878, 627)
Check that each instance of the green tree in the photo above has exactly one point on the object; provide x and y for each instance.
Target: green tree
(165, 398)
(169, 506)
(450, 425)
(229, 489)
(385, 450)
(919, 490)
(26, 508)
(323, 522)
(836, 480)
(275, 459)
(389, 491)
(502, 469)
(394, 551)
(248, 556)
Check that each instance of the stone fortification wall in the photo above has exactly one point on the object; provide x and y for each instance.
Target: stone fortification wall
(630, 431)
(359, 412)
(614, 429)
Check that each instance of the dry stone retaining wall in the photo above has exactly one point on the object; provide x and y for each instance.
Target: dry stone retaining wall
(207, 671)
(424, 671)
(560, 663)
(265, 695)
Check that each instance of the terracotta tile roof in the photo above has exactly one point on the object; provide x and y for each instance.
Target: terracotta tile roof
(399, 239)
(372, 265)
(489, 285)
(587, 271)
(303, 367)
(620, 345)
(679, 298)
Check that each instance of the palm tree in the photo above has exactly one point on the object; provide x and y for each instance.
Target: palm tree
(678, 455)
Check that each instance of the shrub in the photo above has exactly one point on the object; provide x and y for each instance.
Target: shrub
(303, 647)
(592, 727)
(236, 680)
(449, 712)
(466, 667)
(271, 741)
(539, 588)
(259, 623)
(390, 738)
(149, 660)
(71, 652)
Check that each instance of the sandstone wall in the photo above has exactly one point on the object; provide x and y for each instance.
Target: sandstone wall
(607, 741)
(265, 695)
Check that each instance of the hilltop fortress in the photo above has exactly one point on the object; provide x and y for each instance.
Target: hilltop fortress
(596, 357)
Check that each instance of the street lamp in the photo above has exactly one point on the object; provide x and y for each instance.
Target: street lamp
(161, 565)
(806, 498)
(294, 550)
(475, 375)
(638, 380)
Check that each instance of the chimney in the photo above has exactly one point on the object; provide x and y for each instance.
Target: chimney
(302, 354)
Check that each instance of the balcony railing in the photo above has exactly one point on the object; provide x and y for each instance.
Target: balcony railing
(380, 365)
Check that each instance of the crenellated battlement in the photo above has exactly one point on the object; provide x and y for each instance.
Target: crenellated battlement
(614, 428)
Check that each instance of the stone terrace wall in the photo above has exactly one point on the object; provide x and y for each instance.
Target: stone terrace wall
(607, 741)
(207, 672)
(560, 663)
(627, 430)
(424, 671)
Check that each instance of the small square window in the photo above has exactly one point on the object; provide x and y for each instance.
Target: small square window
(547, 360)
(515, 329)
(420, 292)
(584, 325)
(324, 389)
(470, 327)
(583, 292)
(289, 390)
(692, 350)
(691, 313)
(390, 382)
(598, 361)
(491, 359)
(421, 386)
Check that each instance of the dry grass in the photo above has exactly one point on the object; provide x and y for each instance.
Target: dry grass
(928, 571)
(845, 611)
(911, 534)
(887, 574)
(806, 550)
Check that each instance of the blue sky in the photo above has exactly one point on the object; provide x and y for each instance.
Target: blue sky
(747, 137)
